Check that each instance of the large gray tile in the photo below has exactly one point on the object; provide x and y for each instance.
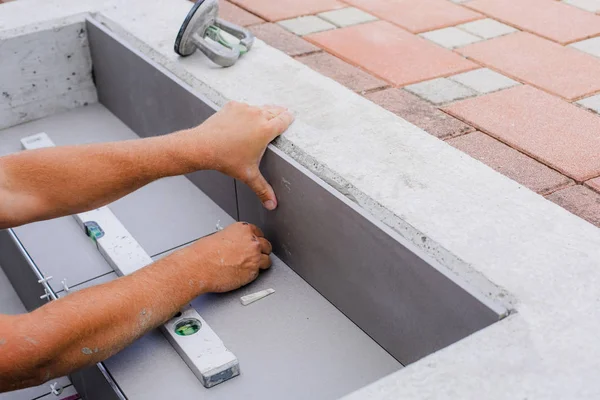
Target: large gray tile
(9, 300)
(60, 249)
(292, 333)
(401, 299)
(168, 213)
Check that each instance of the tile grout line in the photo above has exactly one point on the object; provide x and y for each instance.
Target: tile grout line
(484, 65)
(523, 29)
(481, 129)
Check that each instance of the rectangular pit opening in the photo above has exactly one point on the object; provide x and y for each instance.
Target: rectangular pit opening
(354, 301)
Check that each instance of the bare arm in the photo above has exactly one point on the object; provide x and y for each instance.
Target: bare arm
(48, 183)
(89, 326)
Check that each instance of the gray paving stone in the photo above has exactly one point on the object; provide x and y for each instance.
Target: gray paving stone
(487, 28)
(306, 25)
(588, 5)
(450, 38)
(440, 90)
(347, 17)
(593, 103)
(484, 80)
(590, 46)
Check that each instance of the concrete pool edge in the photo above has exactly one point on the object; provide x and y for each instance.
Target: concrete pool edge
(499, 237)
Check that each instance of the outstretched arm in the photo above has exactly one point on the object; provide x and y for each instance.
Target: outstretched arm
(89, 326)
(48, 183)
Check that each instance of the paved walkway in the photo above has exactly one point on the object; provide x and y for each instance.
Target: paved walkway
(513, 83)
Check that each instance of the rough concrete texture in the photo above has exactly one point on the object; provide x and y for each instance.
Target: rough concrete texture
(504, 241)
(53, 63)
(484, 80)
(440, 90)
(451, 38)
(487, 28)
(305, 25)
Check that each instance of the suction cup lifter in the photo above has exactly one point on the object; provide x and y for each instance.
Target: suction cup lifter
(221, 41)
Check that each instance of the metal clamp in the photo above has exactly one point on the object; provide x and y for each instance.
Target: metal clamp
(202, 29)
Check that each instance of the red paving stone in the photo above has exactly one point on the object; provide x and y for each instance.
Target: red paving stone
(232, 13)
(391, 53)
(561, 70)
(561, 135)
(594, 184)
(276, 10)
(418, 15)
(275, 36)
(549, 18)
(580, 201)
(419, 113)
(511, 163)
(338, 70)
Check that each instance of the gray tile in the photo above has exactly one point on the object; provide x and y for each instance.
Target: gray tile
(294, 329)
(487, 28)
(590, 46)
(440, 90)
(484, 80)
(168, 213)
(587, 5)
(347, 17)
(306, 25)
(592, 103)
(450, 38)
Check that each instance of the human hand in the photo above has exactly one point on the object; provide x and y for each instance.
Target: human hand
(232, 257)
(236, 138)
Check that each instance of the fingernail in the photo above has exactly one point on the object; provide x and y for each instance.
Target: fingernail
(269, 204)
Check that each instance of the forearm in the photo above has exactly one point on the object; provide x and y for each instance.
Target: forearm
(89, 326)
(47, 183)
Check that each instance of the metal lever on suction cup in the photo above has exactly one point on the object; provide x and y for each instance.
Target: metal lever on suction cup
(201, 24)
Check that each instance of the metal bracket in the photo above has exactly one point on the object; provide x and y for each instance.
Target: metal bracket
(202, 29)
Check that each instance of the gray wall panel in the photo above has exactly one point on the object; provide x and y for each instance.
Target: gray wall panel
(18, 272)
(92, 385)
(151, 101)
(405, 304)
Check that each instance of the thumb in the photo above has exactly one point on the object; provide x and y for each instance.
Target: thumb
(263, 190)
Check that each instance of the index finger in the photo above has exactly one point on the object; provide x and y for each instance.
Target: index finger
(282, 119)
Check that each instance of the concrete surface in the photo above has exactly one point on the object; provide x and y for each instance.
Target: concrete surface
(503, 240)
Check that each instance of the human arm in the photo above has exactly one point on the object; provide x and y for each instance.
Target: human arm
(52, 182)
(89, 326)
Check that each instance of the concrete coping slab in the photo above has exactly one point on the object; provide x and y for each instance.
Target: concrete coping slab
(504, 241)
